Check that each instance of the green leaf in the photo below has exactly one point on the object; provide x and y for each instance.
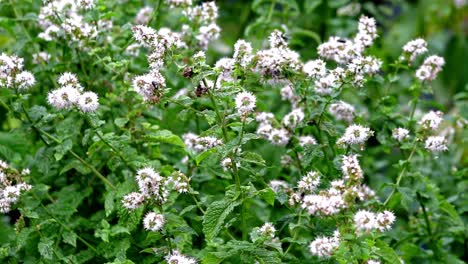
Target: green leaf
(268, 195)
(205, 154)
(253, 157)
(215, 216)
(311, 5)
(387, 253)
(62, 149)
(45, 247)
(165, 136)
(121, 121)
(69, 238)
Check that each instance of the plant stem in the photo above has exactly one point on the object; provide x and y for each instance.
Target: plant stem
(402, 172)
(197, 203)
(119, 154)
(295, 234)
(62, 224)
(272, 9)
(218, 115)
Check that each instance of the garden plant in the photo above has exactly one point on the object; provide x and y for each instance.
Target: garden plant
(265, 131)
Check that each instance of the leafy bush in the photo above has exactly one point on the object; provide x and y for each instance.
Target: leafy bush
(275, 131)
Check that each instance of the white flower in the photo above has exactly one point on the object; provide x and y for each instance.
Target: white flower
(207, 33)
(351, 168)
(430, 68)
(67, 78)
(86, 4)
(415, 48)
(325, 246)
(315, 68)
(355, 134)
(63, 98)
(177, 258)
(267, 229)
(88, 102)
(242, 52)
(179, 3)
(277, 39)
(307, 140)
(365, 220)
(41, 57)
(385, 220)
(400, 133)
(326, 84)
(148, 85)
(144, 15)
(309, 182)
(200, 144)
(293, 119)
(133, 200)
(264, 117)
(436, 144)
(245, 103)
(153, 222)
(342, 111)
(328, 203)
(24, 80)
(431, 120)
(277, 185)
(279, 136)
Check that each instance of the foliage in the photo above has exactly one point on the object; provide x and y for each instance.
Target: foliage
(215, 134)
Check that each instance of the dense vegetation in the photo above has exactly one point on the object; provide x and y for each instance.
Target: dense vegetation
(266, 131)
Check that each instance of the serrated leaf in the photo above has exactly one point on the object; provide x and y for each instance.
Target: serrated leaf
(45, 248)
(69, 238)
(215, 216)
(121, 121)
(268, 195)
(253, 157)
(165, 136)
(387, 253)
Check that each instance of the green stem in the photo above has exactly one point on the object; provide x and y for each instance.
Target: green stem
(197, 203)
(119, 154)
(295, 234)
(272, 9)
(62, 224)
(403, 170)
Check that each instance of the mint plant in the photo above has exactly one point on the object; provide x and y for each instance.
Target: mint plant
(143, 136)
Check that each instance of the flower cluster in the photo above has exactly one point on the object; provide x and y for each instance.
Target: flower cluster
(366, 221)
(151, 185)
(400, 134)
(245, 103)
(268, 230)
(348, 54)
(63, 19)
(71, 93)
(309, 182)
(430, 68)
(355, 135)
(11, 186)
(205, 16)
(431, 122)
(273, 62)
(414, 48)
(12, 74)
(200, 144)
(153, 222)
(325, 246)
(177, 258)
(342, 111)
